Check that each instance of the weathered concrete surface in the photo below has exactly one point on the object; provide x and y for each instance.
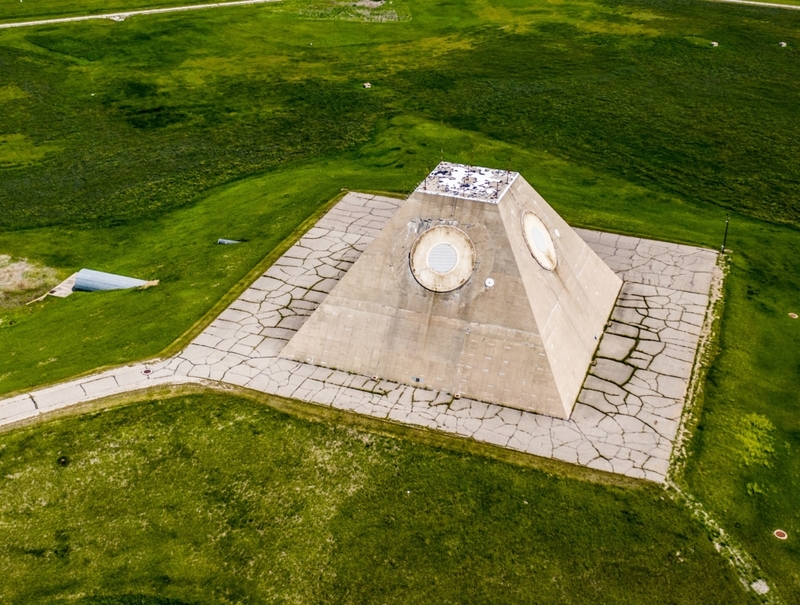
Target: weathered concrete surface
(570, 304)
(524, 342)
(112, 382)
(625, 428)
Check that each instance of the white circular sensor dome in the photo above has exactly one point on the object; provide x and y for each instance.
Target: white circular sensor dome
(442, 259)
(539, 242)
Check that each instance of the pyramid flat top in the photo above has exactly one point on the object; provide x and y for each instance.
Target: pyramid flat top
(468, 182)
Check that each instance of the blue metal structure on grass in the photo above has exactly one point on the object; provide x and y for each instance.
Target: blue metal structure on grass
(89, 280)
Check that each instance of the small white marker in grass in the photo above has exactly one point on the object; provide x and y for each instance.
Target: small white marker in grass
(781, 44)
(760, 587)
(715, 44)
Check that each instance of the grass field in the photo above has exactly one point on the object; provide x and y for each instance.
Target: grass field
(152, 112)
(132, 147)
(180, 249)
(48, 9)
(213, 499)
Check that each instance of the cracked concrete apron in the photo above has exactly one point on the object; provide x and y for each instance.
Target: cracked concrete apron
(627, 414)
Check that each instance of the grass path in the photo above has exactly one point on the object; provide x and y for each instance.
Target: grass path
(121, 16)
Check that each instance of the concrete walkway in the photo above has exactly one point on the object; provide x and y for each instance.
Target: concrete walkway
(628, 413)
(124, 15)
(769, 4)
(112, 382)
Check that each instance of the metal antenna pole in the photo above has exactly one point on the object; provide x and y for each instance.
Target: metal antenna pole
(725, 239)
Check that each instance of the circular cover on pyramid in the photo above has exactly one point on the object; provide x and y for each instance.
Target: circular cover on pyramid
(476, 287)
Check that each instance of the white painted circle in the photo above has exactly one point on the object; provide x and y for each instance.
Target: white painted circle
(442, 258)
(538, 239)
(780, 534)
(489, 282)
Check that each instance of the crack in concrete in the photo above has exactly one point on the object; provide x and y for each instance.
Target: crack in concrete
(628, 411)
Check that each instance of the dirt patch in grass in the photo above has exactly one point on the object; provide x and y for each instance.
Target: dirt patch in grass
(21, 279)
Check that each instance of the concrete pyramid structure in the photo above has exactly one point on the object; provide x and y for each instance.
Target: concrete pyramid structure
(476, 287)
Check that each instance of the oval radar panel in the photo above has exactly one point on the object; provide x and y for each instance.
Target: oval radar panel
(539, 241)
(442, 258)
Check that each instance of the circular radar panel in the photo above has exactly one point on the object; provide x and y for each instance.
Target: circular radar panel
(539, 241)
(442, 258)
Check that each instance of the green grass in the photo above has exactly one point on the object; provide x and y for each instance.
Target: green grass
(214, 499)
(184, 103)
(16, 150)
(180, 248)
(182, 252)
(13, 10)
(745, 465)
(133, 146)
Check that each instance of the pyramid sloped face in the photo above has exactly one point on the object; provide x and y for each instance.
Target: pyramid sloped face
(572, 302)
(451, 296)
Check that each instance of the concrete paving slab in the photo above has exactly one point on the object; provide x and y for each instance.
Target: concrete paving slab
(624, 422)
(17, 408)
(59, 396)
(100, 387)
